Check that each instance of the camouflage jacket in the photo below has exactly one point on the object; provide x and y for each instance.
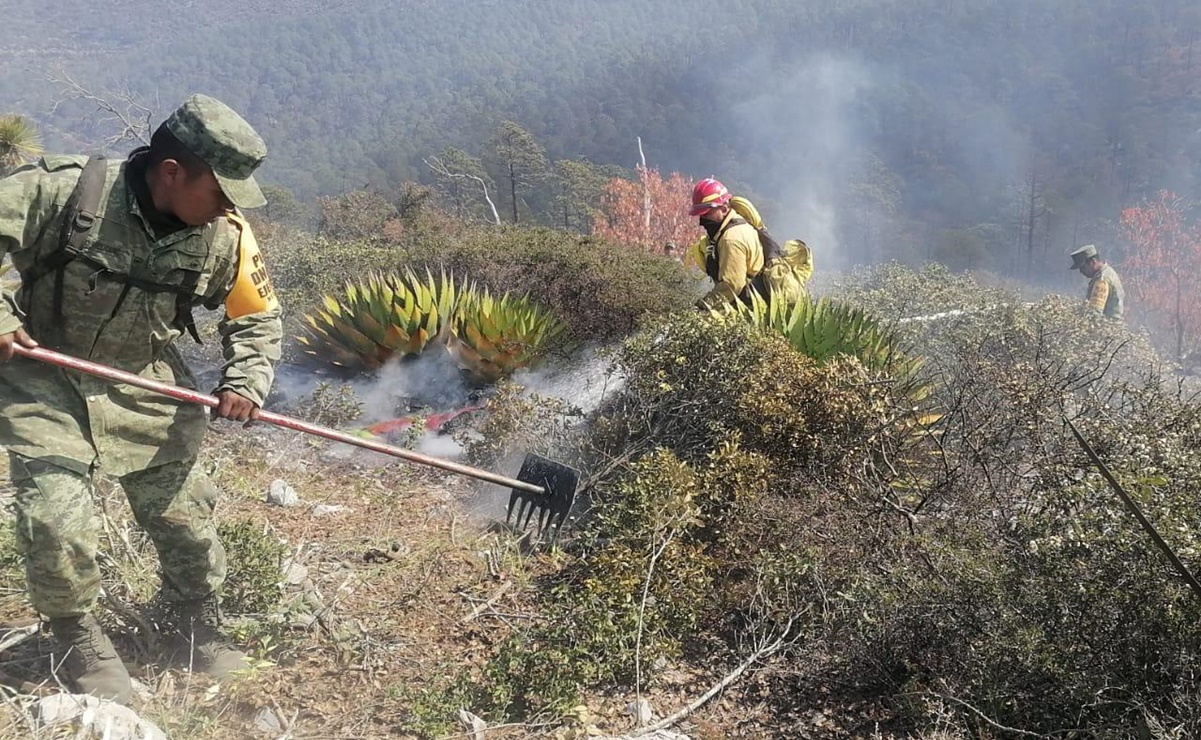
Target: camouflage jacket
(76, 420)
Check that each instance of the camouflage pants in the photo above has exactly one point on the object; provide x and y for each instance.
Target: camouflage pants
(57, 532)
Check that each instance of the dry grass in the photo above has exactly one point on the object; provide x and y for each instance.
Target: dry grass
(389, 621)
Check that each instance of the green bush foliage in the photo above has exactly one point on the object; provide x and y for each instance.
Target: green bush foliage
(602, 290)
(721, 451)
(893, 291)
(253, 582)
(518, 420)
(1026, 594)
(981, 577)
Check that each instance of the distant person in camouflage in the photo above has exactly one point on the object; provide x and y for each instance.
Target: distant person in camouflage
(1105, 292)
(110, 271)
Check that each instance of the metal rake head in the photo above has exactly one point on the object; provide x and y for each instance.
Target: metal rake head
(559, 483)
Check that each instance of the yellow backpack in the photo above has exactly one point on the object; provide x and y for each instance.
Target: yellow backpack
(786, 268)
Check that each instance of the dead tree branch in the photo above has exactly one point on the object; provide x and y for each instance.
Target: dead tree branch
(981, 715)
(765, 650)
(120, 109)
(438, 167)
(646, 191)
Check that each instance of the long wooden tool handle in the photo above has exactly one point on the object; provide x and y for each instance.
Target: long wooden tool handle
(1134, 509)
(183, 394)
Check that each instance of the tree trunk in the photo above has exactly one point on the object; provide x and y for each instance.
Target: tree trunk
(1030, 229)
(513, 189)
(1179, 321)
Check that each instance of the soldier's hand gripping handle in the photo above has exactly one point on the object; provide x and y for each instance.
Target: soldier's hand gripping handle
(236, 407)
(20, 336)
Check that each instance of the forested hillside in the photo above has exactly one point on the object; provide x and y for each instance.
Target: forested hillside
(984, 134)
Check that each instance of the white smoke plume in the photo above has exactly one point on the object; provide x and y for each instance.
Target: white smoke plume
(430, 381)
(583, 382)
(806, 119)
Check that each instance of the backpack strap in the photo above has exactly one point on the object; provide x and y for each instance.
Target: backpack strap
(736, 221)
(81, 208)
(717, 237)
(711, 252)
(184, 301)
(75, 230)
(771, 248)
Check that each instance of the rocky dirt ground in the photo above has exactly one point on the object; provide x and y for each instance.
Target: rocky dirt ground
(395, 576)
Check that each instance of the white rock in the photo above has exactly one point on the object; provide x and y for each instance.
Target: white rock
(328, 509)
(266, 720)
(295, 573)
(89, 717)
(281, 494)
(641, 711)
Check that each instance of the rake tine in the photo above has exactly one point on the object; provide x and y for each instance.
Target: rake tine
(523, 510)
(514, 497)
(529, 513)
(549, 506)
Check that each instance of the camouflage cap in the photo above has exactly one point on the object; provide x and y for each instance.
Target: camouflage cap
(1082, 255)
(214, 132)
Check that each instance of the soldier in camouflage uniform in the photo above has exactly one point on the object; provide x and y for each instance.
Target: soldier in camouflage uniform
(166, 236)
(1105, 292)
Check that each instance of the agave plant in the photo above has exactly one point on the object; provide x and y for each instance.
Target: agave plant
(19, 141)
(379, 318)
(493, 337)
(826, 329)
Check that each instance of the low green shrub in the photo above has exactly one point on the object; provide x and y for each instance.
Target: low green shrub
(254, 556)
(601, 289)
(717, 453)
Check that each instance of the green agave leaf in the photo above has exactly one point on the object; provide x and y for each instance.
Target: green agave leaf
(378, 317)
(497, 335)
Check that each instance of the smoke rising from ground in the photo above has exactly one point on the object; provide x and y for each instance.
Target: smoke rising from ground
(805, 118)
(583, 382)
(432, 383)
(431, 380)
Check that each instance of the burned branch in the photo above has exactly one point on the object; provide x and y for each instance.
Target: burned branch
(121, 109)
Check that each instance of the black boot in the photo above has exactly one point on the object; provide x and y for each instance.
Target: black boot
(195, 636)
(88, 660)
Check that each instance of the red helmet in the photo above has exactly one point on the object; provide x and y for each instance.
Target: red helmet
(708, 194)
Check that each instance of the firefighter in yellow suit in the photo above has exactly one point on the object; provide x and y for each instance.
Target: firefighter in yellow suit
(732, 252)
